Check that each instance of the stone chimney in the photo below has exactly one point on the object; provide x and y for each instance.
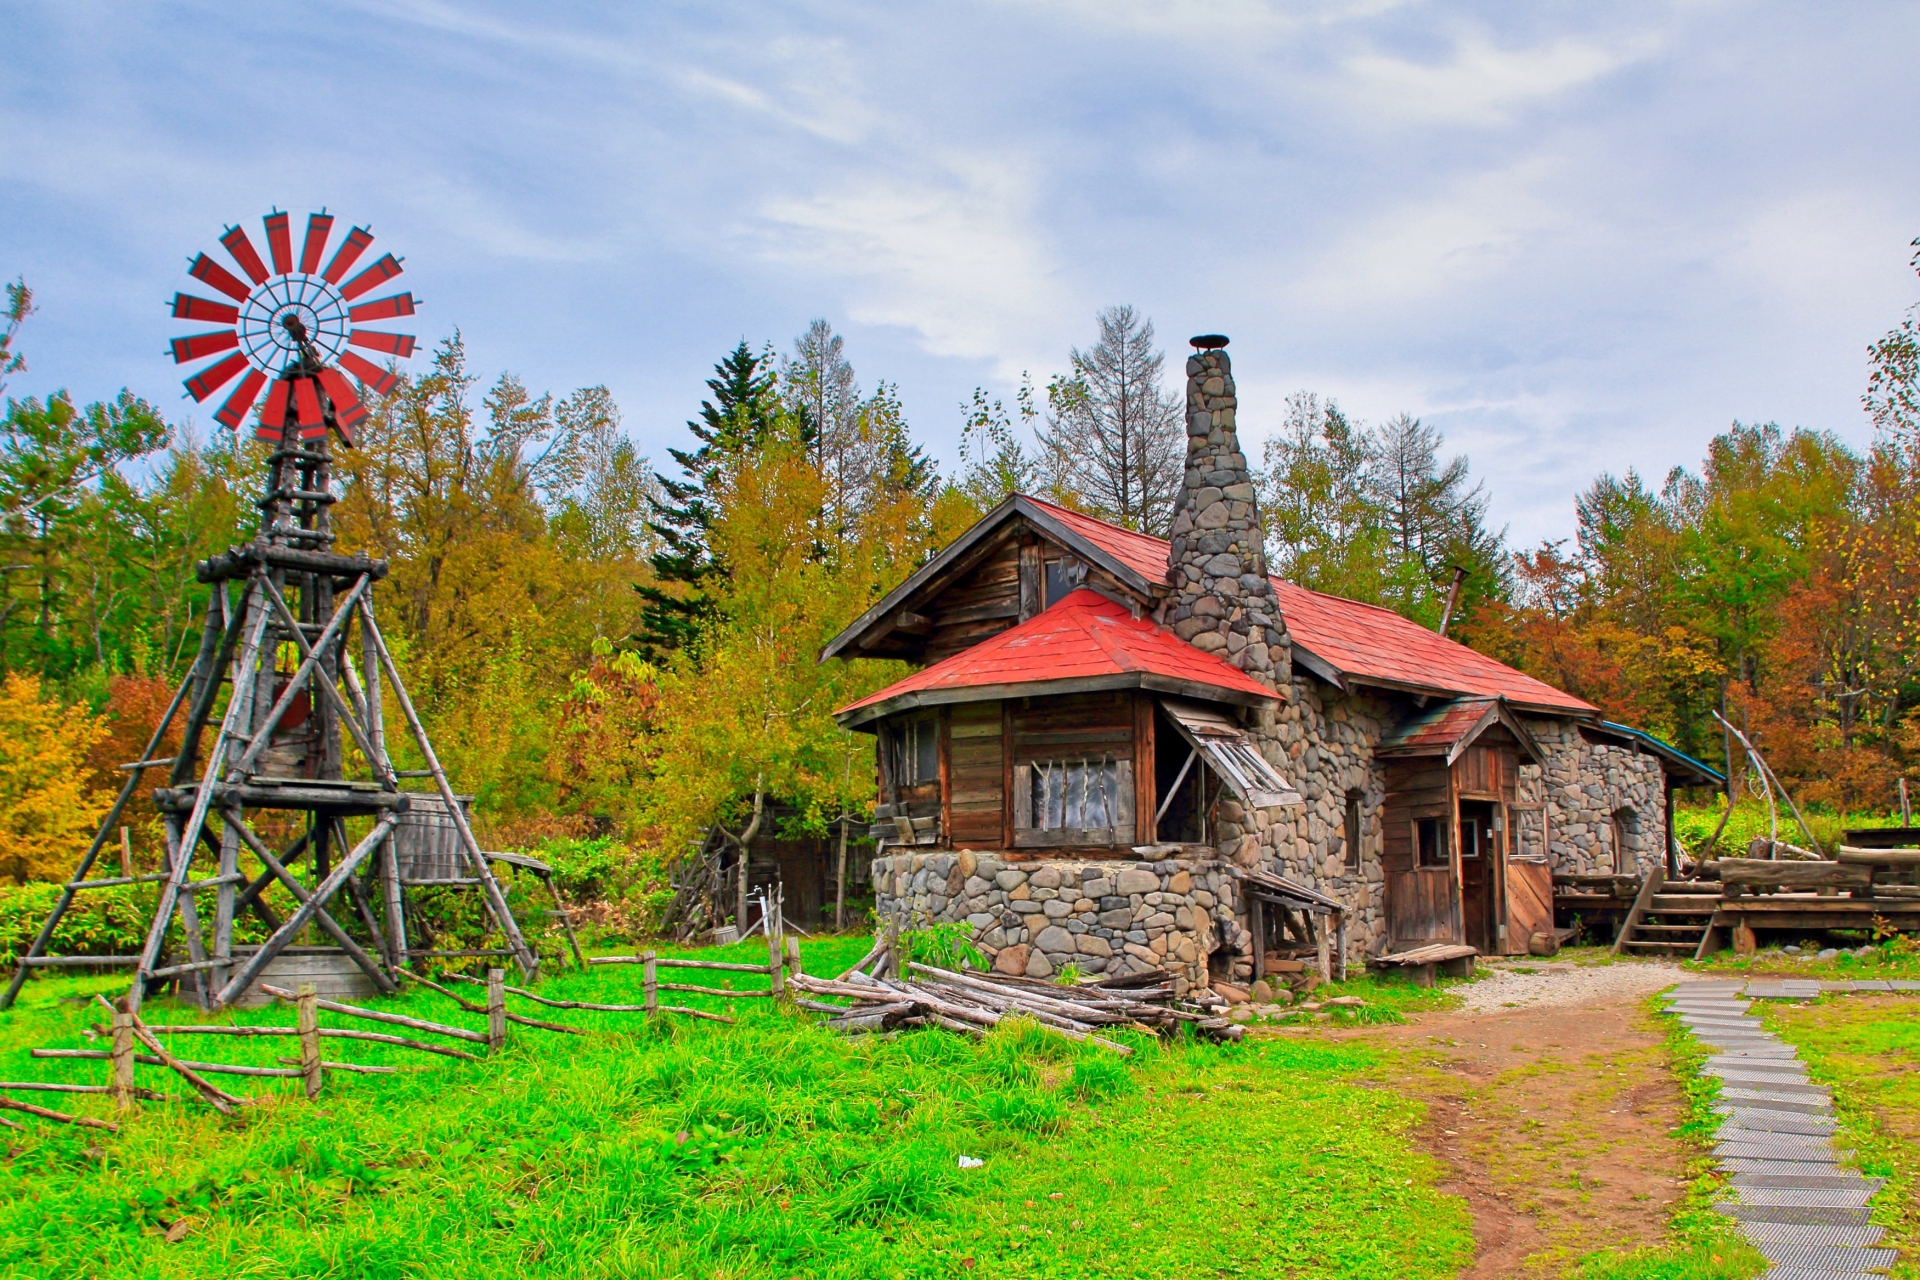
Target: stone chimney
(1222, 601)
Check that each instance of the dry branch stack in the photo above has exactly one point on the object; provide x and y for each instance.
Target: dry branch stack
(972, 1002)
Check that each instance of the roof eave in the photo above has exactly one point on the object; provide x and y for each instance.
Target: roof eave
(914, 699)
(1437, 691)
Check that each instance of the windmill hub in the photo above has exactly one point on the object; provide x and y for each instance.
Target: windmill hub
(306, 300)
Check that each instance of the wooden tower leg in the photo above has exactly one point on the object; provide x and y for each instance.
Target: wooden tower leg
(189, 835)
(396, 906)
(496, 900)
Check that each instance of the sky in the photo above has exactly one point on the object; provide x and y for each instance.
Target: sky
(1575, 238)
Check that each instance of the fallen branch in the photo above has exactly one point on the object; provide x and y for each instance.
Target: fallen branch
(48, 1086)
(84, 1121)
(338, 1033)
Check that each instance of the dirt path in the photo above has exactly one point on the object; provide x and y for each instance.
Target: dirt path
(1551, 1101)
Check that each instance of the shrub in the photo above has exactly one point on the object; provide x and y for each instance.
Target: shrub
(944, 946)
(1028, 1110)
(1101, 1077)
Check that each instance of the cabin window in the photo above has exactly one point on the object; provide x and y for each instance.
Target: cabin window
(1430, 842)
(1624, 826)
(1354, 829)
(1064, 577)
(914, 752)
(1070, 795)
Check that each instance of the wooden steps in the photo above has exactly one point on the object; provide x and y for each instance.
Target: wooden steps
(1668, 919)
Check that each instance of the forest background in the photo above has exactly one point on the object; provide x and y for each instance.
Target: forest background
(613, 657)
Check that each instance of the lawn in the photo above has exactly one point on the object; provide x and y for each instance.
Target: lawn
(1868, 1048)
(1895, 957)
(769, 1148)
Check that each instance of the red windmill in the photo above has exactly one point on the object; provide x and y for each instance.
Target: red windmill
(294, 328)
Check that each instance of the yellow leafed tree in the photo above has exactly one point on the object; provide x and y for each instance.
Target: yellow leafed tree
(48, 809)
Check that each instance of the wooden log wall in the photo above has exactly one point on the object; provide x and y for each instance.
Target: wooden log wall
(976, 773)
(979, 606)
(1417, 788)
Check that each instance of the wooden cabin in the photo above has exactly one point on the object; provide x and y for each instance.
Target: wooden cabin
(1083, 728)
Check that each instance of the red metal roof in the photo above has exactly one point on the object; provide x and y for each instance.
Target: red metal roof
(1361, 640)
(1085, 635)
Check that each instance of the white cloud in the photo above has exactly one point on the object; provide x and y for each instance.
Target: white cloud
(1480, 226)
(1479, 83)
(957, 257)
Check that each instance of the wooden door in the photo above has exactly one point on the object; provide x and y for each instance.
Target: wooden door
(1529, 894)
(1529, 903)
(1418, 854)
(1479, 875)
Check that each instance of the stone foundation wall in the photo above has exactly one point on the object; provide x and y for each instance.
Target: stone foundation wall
(1104, 915)
(1585, 784)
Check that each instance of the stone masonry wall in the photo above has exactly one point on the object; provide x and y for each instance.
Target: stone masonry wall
(1102, 915)
(1584, 785)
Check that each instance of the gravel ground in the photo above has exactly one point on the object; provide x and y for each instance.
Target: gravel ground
(1565, 982)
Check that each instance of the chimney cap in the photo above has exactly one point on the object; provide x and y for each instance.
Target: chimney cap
(1209, 341)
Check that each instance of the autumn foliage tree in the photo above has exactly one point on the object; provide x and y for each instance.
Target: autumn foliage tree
(49, 806)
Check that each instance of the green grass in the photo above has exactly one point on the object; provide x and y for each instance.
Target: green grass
(1694, 825)
(1868, 1050)
(1896, 957)
(767, 1149)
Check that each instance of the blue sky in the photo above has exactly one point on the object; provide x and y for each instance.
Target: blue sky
(1574, 237)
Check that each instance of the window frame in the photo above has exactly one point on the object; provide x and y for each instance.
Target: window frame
(1356, 827)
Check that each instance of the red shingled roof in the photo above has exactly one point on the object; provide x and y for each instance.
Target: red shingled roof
(1436, 729)
(1361, 640)
(1085, 635)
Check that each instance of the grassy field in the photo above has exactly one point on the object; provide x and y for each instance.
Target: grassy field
(1896, 957)
(765, 1149)
(1868, 1048)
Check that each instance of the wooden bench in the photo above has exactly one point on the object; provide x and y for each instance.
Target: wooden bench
(1420, 965)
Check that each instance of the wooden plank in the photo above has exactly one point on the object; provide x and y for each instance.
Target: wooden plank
(946, 786)
(1903, 859)
(1145, 796)
(986, 611)
(1006, 775)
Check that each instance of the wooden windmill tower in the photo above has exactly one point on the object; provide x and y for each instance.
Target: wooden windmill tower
(287, 618)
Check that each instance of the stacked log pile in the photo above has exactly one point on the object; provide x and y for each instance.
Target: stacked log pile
(970, 1003)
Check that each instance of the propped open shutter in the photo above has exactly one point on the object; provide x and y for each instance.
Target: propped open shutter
(1231, 755)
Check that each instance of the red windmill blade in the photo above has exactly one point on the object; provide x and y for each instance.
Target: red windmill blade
(288, 331)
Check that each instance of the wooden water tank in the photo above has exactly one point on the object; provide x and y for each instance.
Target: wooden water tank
(426, 843)
(332, 972)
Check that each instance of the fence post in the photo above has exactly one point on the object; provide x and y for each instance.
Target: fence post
(496, 1010)
(793, 956)
(776, 972)
(306, 1012)
(122, 1056)
(893, 946)
(651, 972)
